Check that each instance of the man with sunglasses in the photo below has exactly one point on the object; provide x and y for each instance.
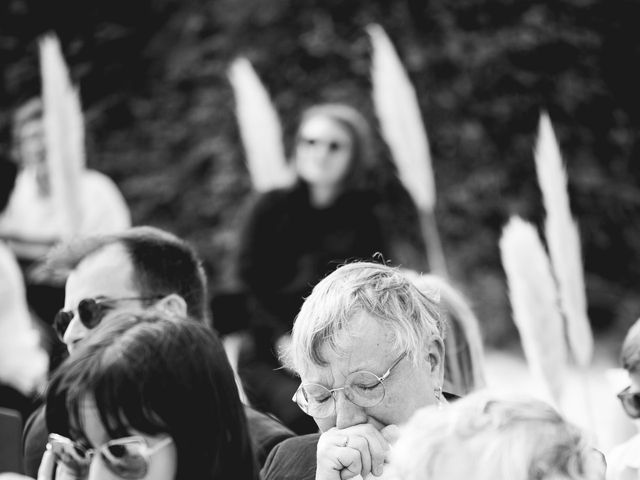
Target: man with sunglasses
(623, 461)
(140, 268)
(368, 347)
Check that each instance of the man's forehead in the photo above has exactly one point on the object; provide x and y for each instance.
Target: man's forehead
(106, 272)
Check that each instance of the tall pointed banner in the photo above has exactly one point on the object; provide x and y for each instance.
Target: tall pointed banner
(260, 129)
(563, 241)
(534, 302)
(64, 135)
(403, 130)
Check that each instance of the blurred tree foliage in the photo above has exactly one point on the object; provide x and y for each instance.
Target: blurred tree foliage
(160, 115)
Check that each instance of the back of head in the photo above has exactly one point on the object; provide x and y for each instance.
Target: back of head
(630, 355)
(509, 438)
(375, 289)
(464, 352)
(363, 157)
(153, 373)
(162, 262)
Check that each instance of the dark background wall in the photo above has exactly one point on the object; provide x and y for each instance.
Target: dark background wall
(160, 115)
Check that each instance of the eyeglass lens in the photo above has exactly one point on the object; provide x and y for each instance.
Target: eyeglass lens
(332, 145)
(362, 388)
(89, 311)
(630, 402)
(125, 459)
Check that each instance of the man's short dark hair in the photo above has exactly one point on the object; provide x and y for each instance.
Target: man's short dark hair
(163, 264)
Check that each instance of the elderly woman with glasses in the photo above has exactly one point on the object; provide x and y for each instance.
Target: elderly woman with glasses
(623, 459)
(147, 396)
(368, 347)
(295, 236)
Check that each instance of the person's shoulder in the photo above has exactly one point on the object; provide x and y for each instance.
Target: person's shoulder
(34, 441)
(94, 178)
(292, 459)
(266, 432)
(279, 200)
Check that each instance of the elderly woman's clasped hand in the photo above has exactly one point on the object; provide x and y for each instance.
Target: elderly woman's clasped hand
(357, 450)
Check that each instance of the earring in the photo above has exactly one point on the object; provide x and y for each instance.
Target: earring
(437, 392)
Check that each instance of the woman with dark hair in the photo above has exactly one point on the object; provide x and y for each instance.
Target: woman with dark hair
(150, 397)
(296, 236)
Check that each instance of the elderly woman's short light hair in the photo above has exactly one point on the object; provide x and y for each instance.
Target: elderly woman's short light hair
(378, 290)
(507, 438)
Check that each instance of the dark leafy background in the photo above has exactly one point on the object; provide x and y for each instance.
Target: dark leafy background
(160, 115)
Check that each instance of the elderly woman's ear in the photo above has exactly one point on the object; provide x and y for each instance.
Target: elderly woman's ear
(435, 357)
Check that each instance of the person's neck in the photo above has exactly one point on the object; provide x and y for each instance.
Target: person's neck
(322, 196)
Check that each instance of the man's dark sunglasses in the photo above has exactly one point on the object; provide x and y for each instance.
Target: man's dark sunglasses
(630, 402)
(90, 311)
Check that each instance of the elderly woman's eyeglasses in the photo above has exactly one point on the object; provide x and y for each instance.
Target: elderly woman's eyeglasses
(127, 457)
(630, 402)
(90, 311)
(362, 388)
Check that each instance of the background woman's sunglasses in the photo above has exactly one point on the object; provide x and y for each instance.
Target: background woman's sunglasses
(332, 146)
(630, 402)
(126, 457)
(90, 311)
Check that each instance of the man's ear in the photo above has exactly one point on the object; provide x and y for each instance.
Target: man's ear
(173, 304)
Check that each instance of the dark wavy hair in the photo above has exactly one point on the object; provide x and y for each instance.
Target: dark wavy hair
(157, 374)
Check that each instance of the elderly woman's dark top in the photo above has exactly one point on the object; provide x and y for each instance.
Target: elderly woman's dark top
(288, 245)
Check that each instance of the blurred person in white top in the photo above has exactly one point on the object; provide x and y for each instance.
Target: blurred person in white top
(31, 223)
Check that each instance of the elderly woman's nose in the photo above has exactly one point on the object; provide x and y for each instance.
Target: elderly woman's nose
(348, 413)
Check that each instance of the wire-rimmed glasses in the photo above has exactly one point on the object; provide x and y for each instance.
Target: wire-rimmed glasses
(362, 388)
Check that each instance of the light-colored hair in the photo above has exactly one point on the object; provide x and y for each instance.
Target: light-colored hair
(630, 355)
(508, 438)
(378, 290)
(464, 368)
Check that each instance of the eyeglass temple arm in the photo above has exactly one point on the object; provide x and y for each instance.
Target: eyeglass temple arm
(388, 372)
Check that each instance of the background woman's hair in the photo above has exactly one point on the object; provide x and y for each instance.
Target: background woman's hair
(464, 364)
(158, 374)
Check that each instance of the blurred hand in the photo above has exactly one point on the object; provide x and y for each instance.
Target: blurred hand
(50, 470)
(357, 450)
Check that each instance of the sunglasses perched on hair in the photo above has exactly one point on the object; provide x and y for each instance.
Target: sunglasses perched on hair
(90, 312)
(630, 402)
(333, 146)
(126, 457)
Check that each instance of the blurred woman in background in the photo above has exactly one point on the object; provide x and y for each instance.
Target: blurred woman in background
(296, 236)
(148, 396)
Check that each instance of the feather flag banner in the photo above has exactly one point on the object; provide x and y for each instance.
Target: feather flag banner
(534, 302)
(403, 130)
(563, 241)
(400, 119)
(260, 129)
(64, 134)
